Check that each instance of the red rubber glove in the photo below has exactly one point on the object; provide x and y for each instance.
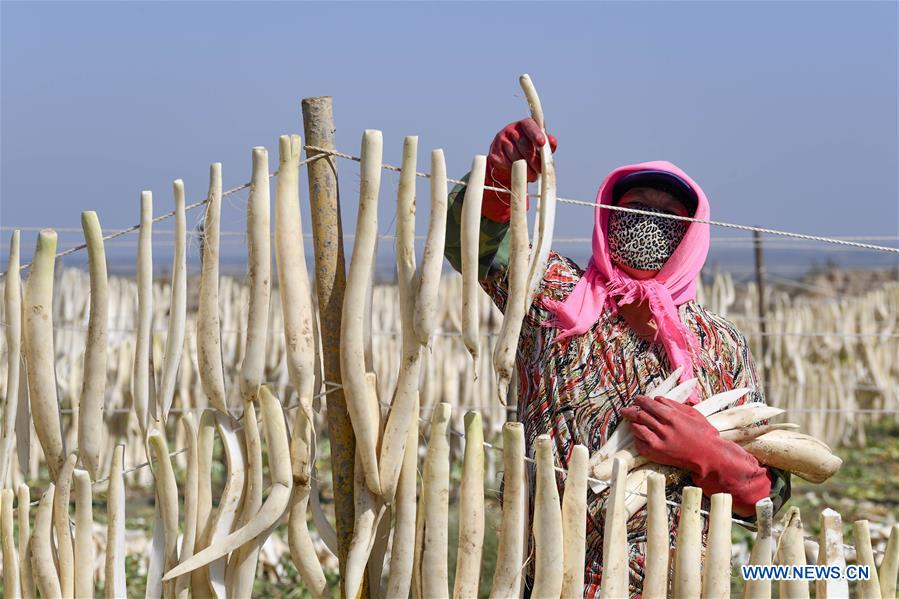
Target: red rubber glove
(519, 140)
(668, 432)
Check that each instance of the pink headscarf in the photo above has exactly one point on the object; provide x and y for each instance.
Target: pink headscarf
(603, 284)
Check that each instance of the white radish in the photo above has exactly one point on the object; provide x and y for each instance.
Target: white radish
(510, 553)
(547, 207)
(302, 550)
(801, 454)
(687, 554)
(191, 501)
(84, 530)
(516, 308)
(548, 553)
(259, 276)
(716, 568)
(830, 553)
(889, 566)
(402, 415)
(167, 510)
(432, 543)
(242, 561)
(10, 558)
(614, 543)
(40, 351)
(352, 333)
(470, 242)
(93, 387)
(296, 301)
(471, 511)
(26, 580)
(114, 569)
(140, 379)
(274, 505)
(404, 508)
(174, 339)
(229, 502)
(12, 298)
(65, 556)
(43, 565)
(209, 339)
(655, 580)
(791, 551)
(428, 283)
(199, 578)
(867, 588)
(574, 522)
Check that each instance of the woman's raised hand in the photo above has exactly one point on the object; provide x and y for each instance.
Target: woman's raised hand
(520, 140)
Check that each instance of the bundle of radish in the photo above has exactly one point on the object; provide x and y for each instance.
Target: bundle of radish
(777, 445)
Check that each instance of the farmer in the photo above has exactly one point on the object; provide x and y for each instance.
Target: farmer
(594, 341)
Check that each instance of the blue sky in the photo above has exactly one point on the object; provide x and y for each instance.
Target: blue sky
(785, 112)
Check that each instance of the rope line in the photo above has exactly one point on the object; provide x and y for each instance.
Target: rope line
(594, 205)
(325, 152)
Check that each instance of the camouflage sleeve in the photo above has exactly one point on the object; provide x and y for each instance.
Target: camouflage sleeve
(493, 246)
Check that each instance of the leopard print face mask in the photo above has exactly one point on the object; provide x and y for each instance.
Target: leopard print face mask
(642, 241)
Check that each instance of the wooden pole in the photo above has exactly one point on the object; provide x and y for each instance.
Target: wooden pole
(760, 287)
(330, 283)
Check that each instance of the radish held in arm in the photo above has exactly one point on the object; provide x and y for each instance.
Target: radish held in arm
(352, 332)
(65, 556)
(470, 241)
(43, 564)
(259, 275)
(687, 554)
(40, 352)
(10, 559)
(614, 542)
(174, 340)
(516, 308)
(404, 507)
(209, 338)
(273, 507)
(26, 580)
(433, 542)
(510, 552)
(402, 415)
(801, 454)
(471, 511)
(84, 542)
(547, 523)
(428, 284)
(93, 387)
(547, 208)
(655, 581)
(140, 378)
(574, 522)
(12, 297)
